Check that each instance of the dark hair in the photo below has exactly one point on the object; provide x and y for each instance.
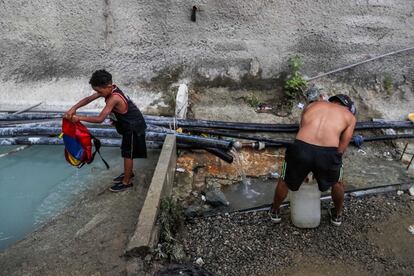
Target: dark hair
(100, 78)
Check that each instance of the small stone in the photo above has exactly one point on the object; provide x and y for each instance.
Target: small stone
(390, 131)
(273, 175)
(400, 192)
(199, 261)
(411, 191)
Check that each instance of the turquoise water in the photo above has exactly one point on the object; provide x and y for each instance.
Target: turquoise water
(37, 184)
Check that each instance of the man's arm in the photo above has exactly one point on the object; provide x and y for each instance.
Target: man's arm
(346, 136)
(83, 102)
(101, 117)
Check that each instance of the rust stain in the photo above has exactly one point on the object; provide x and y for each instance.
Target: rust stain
(255, 163)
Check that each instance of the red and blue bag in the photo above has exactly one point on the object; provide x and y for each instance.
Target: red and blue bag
(78, 144)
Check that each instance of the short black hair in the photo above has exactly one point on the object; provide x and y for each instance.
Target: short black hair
(100, 78)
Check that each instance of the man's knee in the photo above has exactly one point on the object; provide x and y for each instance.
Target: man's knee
(293, 187)
(338, 185)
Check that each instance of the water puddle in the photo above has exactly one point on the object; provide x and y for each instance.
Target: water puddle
(240, 199)
(368, 171)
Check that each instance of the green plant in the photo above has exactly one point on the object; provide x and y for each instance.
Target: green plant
(295, 83)
(170, 98)
(252, 100)
(170, 219)
(388, 83)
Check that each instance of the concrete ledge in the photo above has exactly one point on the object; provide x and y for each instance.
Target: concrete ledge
(146, 231)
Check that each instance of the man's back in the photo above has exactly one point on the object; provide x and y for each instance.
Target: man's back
(323, 124)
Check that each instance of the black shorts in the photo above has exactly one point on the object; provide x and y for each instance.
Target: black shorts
(302, 158)
(133, 145)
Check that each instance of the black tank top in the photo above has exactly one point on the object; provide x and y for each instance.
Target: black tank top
(132, 119)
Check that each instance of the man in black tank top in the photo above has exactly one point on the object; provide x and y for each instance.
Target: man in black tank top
(126, 117)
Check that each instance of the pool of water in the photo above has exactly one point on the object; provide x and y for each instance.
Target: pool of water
(37, 184)
(250, 193)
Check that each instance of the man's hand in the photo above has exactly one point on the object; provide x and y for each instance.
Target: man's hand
(69, 114)
(74, 119)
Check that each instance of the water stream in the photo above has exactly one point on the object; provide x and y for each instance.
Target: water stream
(247, 189)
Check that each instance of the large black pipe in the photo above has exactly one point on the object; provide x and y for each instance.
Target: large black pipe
(224, 133)
(388, 137)
(188, 123)
(181, 138)
(111, 133)
(221, 154)
(28, 116)
(40, 140)
(283, 143)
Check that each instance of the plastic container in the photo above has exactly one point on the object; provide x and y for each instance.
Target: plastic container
(305, 205)
(411, 117)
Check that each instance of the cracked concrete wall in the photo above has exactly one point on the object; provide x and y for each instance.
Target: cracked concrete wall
(48, 49)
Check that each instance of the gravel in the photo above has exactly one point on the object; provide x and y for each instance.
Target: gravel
(250, 244)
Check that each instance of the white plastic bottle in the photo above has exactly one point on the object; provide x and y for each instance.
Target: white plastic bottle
(305, 205)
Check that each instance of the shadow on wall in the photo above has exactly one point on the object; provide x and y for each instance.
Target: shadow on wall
(241, 74)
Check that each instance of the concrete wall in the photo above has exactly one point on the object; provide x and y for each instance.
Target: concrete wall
(50, 48)
(146, 231)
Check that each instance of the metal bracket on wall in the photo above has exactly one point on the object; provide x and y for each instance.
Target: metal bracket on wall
(194, 11)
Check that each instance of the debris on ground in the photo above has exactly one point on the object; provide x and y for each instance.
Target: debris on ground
(249, 244)
(411, 191)
(411, 229)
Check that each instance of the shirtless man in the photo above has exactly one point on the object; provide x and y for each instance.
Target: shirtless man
(325, 131)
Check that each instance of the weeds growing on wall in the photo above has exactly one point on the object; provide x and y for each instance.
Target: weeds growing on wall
(170, 220)
(295, 83)
(388, 83)
(171, 97)
(252, 100)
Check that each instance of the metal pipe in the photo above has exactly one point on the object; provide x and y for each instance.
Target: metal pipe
(359, 63)
(26, 109)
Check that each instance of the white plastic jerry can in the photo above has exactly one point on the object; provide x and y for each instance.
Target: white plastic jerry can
(305, 205)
